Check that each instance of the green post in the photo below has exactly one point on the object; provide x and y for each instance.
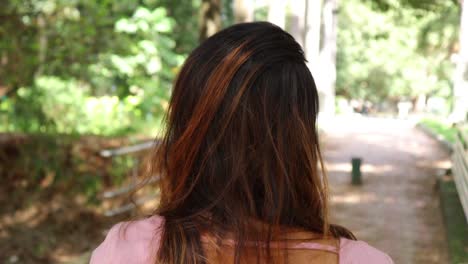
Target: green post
(356, 172)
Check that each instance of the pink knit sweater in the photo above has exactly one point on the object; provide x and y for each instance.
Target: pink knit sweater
(136, 246)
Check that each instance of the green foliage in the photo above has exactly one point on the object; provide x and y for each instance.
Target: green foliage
(261, 14)
(425, 5)
(59, 106)
(71, 70)
(146, 70)
(447, 131)
(185, 29)
(228, 12)
(61, 164)
(100, 67)
(121, 166)
(393, 50)
(454, 220)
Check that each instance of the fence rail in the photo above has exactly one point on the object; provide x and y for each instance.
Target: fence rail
(124, 190)
(460, 167)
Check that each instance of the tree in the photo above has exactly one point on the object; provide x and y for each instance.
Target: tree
(297, 21)
(86, 56)
(312, 34)
(186, 29)
(243, 11)
(328, 57)
(210, 18)
(277, 12)
(392, 50)
(460, 89)
(313, 20)
(52, 37)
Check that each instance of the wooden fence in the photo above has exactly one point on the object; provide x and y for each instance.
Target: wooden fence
(460, 167)
(135, 182)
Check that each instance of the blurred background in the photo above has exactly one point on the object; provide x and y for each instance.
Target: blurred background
(85, 84)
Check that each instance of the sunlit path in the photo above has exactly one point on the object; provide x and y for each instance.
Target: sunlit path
(397, 207)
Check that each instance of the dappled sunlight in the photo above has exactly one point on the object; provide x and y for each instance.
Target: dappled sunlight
(442, 164)
(389, 200)
(397, 200)
(365, 168)
(353, 198)
(371, 198)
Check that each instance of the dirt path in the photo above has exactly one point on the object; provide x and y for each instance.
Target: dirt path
(397, 207)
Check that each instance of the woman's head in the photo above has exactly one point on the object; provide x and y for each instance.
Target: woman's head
(241, 145)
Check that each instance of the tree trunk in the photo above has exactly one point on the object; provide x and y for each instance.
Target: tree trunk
(460, 88)
(420, 103)
(210, 18)
(313, 10)
(243, 11)
(43, 43)
(328, 57)
(277, 12)
(297, 21)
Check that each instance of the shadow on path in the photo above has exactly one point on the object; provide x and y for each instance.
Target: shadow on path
(397, 207)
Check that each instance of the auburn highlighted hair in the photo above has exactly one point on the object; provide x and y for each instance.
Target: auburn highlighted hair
(241, 155)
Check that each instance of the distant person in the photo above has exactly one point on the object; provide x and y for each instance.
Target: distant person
(240, 164)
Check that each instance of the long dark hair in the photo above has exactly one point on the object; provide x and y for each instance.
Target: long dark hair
(241, 146)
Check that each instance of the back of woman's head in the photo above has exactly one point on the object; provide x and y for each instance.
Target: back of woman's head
(240, 156)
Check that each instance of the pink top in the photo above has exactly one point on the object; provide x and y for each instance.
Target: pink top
(137, 242)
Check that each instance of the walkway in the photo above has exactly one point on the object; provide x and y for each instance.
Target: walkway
(397, 207)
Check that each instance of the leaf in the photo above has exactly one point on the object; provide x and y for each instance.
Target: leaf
(163, 26)
(153, 66)
(158, 14)
(142, 13)
(125, 25)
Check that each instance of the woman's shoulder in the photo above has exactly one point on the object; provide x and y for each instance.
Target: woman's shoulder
(137, 242)
(130, 242)
(352, 251)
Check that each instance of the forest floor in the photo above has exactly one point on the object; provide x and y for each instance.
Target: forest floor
(49, 207)
(396, 209)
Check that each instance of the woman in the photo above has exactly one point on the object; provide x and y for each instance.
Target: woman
(239, 160)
